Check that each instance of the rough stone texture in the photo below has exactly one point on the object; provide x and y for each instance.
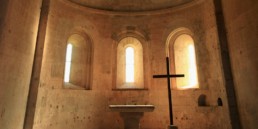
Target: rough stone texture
(36, 69)
(18, 32)
(226, 66)
(242, 27)
(59, 108)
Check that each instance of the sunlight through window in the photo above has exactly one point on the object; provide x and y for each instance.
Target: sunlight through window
(192, 67)
(129, 70)
(68, 63)
(185, 62)
(129, 64)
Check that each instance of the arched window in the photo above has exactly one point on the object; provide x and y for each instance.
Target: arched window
(78, 62)
(129, 64)
(181, 50)
(185, 62)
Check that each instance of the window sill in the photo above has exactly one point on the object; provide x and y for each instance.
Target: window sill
(191, 89)
(185, 89)
(73, 87)
(207, 109)
(129, 89)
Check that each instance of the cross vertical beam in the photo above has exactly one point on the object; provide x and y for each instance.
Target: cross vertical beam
(169, 94)
(168, 76)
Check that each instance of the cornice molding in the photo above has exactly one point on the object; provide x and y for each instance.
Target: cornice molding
(134, 13)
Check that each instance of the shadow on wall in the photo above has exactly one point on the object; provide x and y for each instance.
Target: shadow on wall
(202, 100)
(219, 102)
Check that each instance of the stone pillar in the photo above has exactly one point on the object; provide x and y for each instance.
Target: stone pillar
(172, 127)
(36, 69)
(131, 119)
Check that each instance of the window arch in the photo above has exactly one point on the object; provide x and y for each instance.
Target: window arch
(181, 51)
(78, 62)
(129, 73)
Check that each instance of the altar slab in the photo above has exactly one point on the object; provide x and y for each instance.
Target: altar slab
(132, 108)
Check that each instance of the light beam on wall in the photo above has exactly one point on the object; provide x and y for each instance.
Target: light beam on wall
(185, 62)
(68, 62)
(193, 80)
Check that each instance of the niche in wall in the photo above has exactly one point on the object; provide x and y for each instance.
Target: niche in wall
(78, 62)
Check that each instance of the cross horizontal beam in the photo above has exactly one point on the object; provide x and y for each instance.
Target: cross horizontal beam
(166, 76)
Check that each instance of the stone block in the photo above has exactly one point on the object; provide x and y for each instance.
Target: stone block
(172, 127)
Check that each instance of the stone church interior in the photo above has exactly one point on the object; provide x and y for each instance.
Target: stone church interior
(89, 64)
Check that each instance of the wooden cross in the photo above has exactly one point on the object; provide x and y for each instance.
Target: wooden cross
(168, 76)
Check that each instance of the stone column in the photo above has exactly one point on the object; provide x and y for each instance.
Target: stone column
(131, 119)
(37, 64)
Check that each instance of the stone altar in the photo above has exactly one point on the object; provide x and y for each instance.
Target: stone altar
(131, 114)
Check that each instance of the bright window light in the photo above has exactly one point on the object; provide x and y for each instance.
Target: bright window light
(185, 62)
(192, 67)
(129, 64)
(68, 62)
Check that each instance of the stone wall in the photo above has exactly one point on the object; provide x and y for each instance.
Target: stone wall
(19, 26)
(61, 108)
(241, 20)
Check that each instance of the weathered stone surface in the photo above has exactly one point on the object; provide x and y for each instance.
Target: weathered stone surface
(60, 108)
(242, 28)
(18, 32)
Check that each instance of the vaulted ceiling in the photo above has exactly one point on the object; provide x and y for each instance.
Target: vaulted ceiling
(130, 5)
